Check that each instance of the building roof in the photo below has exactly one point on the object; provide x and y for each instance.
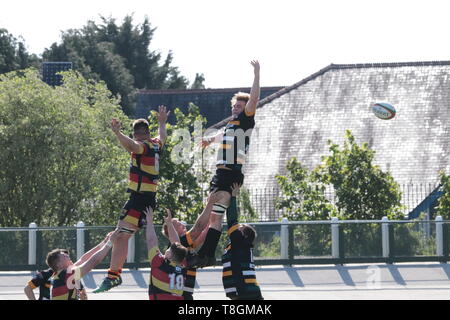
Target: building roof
(299, 120)
(214, 104)
(350, 66)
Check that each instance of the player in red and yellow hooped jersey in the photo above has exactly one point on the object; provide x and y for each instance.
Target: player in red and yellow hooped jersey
(168, 274)
(143, 180)
(66, 280)
(191, 240)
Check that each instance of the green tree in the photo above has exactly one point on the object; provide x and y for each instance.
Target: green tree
(198, 82)
(13, 53)
(118, 55)
(443, 208)
(363, 190)
(246, 211)
(60, 161)
(303, 194)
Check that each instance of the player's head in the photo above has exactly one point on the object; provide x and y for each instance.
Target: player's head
(248, 232)
(140, 129)
(238, 102)
(179, 226)
(58, 259)
(176, 253)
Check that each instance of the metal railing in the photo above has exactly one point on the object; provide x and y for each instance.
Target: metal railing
(263, 200)
(286, 242)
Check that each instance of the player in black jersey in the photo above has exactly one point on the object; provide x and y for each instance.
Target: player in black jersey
(42, 281)
(234, 144)
(239, 275)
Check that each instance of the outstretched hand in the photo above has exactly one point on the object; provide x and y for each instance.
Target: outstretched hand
(162, 115)
(168, 217)
(115, 125)
(256, 67)
(205, 142)
(235, 189)
(149, 213)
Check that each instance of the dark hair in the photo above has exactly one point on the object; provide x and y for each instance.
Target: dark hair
(140, 126)
(249, 233)
(53, 258)
(179, 252)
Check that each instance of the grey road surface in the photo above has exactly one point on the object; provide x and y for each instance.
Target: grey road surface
(406, 281)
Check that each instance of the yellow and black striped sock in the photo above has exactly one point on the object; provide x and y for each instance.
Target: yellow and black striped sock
(112, 274)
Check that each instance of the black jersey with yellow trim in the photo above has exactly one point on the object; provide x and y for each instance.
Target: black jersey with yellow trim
(191, 273)
(236, 141)
(42, 281)
(239, 275)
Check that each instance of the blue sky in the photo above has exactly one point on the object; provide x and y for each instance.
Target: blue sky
(292, 39)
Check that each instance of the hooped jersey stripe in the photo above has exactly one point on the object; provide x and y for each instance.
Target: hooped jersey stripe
(144, 167)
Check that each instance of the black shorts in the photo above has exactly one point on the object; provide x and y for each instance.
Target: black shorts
(133, 210)
(224, 179)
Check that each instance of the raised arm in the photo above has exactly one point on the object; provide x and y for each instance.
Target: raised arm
(162, 116)
(129, 144)
(93, 251)
(206, 141)
(203, 219)
(97, 257)
(232, 213)
(150, 233)
(250, 107)
(173, 234)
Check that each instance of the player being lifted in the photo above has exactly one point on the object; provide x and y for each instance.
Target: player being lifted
(143, 180)
(234, 143)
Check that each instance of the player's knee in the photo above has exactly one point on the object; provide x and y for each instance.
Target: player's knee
(125, 233)
(218, 209)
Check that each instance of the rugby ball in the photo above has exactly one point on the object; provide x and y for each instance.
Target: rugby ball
(383, 110)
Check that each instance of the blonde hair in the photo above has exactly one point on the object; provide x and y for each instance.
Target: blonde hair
(240, 96)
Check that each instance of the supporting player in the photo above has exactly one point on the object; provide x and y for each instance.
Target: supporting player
(42, 281)
(167, 275)
(66, 281)
(235, 141)
(239, 276)
(193, 239)
(143, 180)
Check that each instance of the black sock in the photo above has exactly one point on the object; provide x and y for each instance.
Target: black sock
(208, 248)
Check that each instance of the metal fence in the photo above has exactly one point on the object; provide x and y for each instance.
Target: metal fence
(264, 200)
(286, 242)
